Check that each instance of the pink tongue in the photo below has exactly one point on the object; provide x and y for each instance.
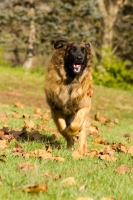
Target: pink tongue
(76, 66)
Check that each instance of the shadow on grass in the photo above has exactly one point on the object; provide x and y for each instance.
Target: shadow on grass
(24, 135)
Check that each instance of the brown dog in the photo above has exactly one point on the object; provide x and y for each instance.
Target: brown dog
(68, 88)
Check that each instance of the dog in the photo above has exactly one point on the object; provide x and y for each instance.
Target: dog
(68, 88)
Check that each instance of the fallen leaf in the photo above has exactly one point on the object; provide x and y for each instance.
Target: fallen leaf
(92, 152)
(119, 147)
(57, 158)
(116, 121)
(29, 124)
(107, 198)
(37, 111)
(36, 188)
(100, 141)
(55, 177)
(94, 129)
(127, 135)
(84, 198)
(130, 150)
(47, 174)
(19, 105)
(101, 119)
(24, 166)
(82, 187)
(3, 144)
(70, 181)
(18, 150)
(39, 153)
(122, 169)
(3, 118)
(107, 157)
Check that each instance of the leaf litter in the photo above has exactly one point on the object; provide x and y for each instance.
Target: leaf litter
(107, 153)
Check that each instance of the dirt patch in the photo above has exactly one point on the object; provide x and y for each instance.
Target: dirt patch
(33, 100)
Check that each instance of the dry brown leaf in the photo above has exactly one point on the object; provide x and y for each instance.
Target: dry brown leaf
(2, 136)
(122, 169)
(24, 166)
(116, 121)
(39, 153)
(107, 198)
(84, 198)
(108, 150)
(57, 158)
(130, 150)
(101, 119)
(107, 157)
(107, 154)
(120, 147)
(92, 152)
(18, 150)
(36, 188)
(3, 118)
(82, 187)
(47, 174)
(99, 140)
(127, 135)
(37, 111)
(55, 177)
(70, 181)
(19, 105)
(3, 144)
(29, 124)
(94, 129)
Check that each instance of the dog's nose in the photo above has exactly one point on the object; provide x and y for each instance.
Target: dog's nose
(79, 57)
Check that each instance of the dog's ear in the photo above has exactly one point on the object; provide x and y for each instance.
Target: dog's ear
(59, 44)
(88, 46)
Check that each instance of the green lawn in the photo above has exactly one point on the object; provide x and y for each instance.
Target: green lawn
(22, 103)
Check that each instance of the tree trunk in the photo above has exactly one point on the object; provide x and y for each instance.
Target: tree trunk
(29, 57)
(109, 10)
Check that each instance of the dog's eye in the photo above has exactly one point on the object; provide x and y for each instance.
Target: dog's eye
(83, 49)
(74, 49)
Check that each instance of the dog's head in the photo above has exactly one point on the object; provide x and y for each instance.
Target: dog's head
(76, 56)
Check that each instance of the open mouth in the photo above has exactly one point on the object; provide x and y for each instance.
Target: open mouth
(76, 67)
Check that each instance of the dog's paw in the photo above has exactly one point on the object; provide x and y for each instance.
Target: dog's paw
(76, 154)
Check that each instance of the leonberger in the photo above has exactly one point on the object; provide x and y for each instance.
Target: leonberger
(68, 88)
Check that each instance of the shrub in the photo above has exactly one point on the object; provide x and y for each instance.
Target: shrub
(112, 71)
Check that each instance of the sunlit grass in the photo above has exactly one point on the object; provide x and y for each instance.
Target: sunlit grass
(94, 177)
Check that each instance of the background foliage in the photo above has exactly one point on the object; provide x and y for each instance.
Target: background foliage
(104, 23)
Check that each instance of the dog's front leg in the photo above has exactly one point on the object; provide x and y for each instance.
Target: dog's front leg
(76, 124)
(60, 120)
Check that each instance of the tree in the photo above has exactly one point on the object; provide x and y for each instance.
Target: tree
(110, 10)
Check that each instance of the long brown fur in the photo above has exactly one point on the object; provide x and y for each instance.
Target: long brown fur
(69, 98)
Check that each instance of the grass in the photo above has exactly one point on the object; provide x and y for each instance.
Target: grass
(94, 177)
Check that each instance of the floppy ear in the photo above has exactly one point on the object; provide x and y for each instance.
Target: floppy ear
(59, 44)
(88, 45)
